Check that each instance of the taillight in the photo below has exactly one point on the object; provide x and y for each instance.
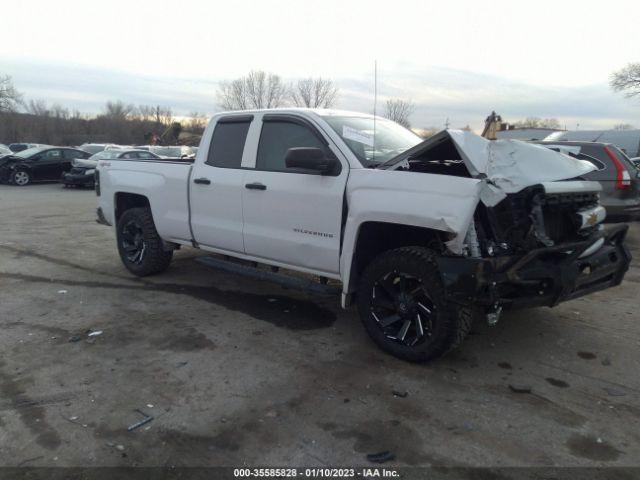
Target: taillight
(623, 179)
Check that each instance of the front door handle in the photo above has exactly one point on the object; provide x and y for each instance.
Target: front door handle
(255, 186)
(202, 181)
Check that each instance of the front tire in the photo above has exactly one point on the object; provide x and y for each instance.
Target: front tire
(141, 248)
(20, 178)
(401, 302)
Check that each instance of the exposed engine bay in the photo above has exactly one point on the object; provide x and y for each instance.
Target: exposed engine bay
(536, 235)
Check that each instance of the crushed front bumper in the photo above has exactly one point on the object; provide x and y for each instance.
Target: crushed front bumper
(542, 277)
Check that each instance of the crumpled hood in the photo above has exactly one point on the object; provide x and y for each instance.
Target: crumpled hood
(513, 164)
(507, 166)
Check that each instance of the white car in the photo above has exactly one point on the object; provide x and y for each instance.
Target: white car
(423, 235)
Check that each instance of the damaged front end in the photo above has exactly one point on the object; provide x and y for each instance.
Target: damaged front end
(535, 238)
(542, 276)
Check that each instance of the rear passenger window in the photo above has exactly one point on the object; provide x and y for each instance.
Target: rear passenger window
(276, 138)
(598, 164)
(227, 143)
(596, 155)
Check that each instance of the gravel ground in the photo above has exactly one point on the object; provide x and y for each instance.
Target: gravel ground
(238, 372)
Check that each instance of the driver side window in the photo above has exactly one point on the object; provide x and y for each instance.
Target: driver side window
(279, 136)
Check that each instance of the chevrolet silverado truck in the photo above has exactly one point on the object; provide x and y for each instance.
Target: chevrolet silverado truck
(424, 236)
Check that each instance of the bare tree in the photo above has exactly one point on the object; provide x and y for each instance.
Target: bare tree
(37, 107)
(118, 110)
(10, 98)
(314, 93)
(399, 111)
(623, 126)
(60, 112)
(537, 122)
(163, 115)
(627, 80)
(145, 113)
(258, 89)
(197, 123)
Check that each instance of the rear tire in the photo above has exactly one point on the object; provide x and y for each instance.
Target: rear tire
(402, 305)
(141, 248)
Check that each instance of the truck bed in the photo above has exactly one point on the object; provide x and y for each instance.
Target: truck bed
(164, 182)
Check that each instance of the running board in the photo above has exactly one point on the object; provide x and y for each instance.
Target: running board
(296, 283)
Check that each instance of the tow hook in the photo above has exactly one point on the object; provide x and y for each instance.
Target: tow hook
(493, 315)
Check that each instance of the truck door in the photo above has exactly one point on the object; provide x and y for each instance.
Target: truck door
(291, 217)
(216, 187)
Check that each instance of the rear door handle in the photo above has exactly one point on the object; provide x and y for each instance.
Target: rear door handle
(255, 186)
(202, 181)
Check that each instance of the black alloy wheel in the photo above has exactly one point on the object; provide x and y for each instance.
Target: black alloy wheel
(133, 242)
(402, 308)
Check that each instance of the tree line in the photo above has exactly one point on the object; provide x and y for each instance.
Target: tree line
(35, 121)
(38, 122)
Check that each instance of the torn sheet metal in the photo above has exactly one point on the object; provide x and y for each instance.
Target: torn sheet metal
(506, 166)
(440, 202)
(512, 165)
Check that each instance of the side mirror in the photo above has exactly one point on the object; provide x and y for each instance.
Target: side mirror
(310, 158)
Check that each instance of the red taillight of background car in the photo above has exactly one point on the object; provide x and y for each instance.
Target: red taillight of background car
(623, 179)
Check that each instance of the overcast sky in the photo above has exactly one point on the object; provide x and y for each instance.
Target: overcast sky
(456, 60)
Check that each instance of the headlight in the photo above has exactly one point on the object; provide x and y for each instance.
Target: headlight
(90, 171)
(74, 163)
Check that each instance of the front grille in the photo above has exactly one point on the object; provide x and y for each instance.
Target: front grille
(560, 220)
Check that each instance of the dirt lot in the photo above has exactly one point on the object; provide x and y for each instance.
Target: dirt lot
(238, 372)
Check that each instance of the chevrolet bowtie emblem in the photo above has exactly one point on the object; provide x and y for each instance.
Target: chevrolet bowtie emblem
(592, 220)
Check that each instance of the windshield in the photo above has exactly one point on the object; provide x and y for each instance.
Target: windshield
(391, 139)
(29, 152)
(105, 155)
(95, 148)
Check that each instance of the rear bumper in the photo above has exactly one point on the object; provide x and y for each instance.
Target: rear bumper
(542, 277)
(78, 179)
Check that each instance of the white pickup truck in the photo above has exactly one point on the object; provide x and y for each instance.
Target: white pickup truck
(423, 235)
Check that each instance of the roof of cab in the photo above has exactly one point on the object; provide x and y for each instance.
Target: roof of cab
(322, 112)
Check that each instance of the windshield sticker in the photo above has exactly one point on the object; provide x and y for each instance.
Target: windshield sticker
(357, 135)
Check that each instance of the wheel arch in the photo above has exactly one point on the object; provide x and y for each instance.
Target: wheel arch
(374, 238)
(124, 201)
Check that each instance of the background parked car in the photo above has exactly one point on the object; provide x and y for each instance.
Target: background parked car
(93, 148)
(616, 173)
(19, 147)
(82, 171)
(38, 164)
(177, 151)
(4, 150)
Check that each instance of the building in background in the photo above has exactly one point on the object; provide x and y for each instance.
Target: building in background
(526, 133)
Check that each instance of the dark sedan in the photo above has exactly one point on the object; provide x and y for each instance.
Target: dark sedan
(82, 172)
(38, 164)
